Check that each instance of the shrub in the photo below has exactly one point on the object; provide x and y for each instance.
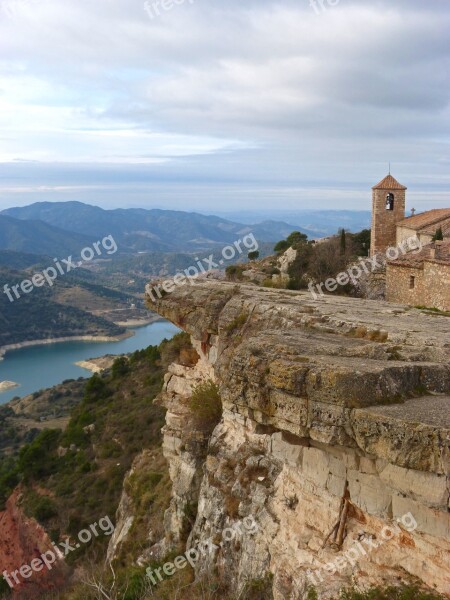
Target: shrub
(234, 272)
(260, 589)
(96, 389)
(120, 367)
(253, 255)
(206, 405)
(237, 323)
(4, 588)
(391, 593)
(171, 350)
(41, 508)
(39, 459)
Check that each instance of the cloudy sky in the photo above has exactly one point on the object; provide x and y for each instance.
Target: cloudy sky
(217, 105)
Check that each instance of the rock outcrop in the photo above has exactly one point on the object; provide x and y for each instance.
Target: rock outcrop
(22, 541)
(334, 439)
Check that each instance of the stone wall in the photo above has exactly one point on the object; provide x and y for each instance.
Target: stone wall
(405, 233)
(431, 285)
(384, 222)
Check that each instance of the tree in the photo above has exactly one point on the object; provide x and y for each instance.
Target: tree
(253, 255)
(343, 242)
(281, 246)
(296, 238)
(96, 389)
(438, 236)
(360, 242)
(120, 367)
(38, 459)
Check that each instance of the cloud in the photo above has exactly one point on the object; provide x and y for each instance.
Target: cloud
(263, 94)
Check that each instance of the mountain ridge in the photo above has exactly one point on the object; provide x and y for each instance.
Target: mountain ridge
(143, 230)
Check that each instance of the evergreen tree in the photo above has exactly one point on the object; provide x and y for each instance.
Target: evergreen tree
(343, 242)
(438, 236)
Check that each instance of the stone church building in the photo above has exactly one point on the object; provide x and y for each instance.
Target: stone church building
(420, 277)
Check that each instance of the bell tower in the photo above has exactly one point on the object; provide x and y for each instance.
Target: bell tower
(388, 208)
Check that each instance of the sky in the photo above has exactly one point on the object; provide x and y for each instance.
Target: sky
(222, 105)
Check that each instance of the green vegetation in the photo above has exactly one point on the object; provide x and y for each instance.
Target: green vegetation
(320, 261)
(391, 593)
(235, 272)
(79, 472)
(120, 367)
(253, 255)
(41, 508)
(438, 236)
(237, 323)
(259, 589)
(38, 459)
(38, 316)
(173, 349)
(206, 405)
(343, 242)
(433, 310)
(291, 241)
(4, 587)
(312, 594)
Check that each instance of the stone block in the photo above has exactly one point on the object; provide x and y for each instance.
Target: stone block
(429, 488)
(289, 407)
(316, 466)
(336, 485)
(367, 465)
(287, 453)
(429, 520)
(369, 493)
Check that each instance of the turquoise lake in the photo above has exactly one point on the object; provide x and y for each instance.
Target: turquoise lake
(40, 367)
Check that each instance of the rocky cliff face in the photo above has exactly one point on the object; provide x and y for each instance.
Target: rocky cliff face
(334, 439)
(22, 541)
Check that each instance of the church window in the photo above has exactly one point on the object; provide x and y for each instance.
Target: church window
(390, 202)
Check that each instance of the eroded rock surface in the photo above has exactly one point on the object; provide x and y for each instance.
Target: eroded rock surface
(326, 404)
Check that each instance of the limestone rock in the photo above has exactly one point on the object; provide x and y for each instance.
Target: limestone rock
(321, 399)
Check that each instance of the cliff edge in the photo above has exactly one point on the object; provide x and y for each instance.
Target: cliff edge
(334, 438)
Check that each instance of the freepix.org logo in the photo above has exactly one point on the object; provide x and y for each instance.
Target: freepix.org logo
(61, 267)
(47, 560)
(247, 243)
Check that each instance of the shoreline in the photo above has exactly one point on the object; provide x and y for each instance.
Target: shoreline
(76, 338)
(97, 365)
(136, 323)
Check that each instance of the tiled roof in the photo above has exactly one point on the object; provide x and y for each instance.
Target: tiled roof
(426, 219)
(389, 183)
(416, 260)
(444, 225)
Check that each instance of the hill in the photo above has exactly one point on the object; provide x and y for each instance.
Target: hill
(40, 315)
(38, 237)
(21, 260)
(141, 230)
(70, 474)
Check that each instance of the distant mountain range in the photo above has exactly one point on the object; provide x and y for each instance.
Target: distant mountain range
(320, 222)
(62, 227)
(38, 237)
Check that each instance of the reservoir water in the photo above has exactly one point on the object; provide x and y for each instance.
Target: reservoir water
(39, 367)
